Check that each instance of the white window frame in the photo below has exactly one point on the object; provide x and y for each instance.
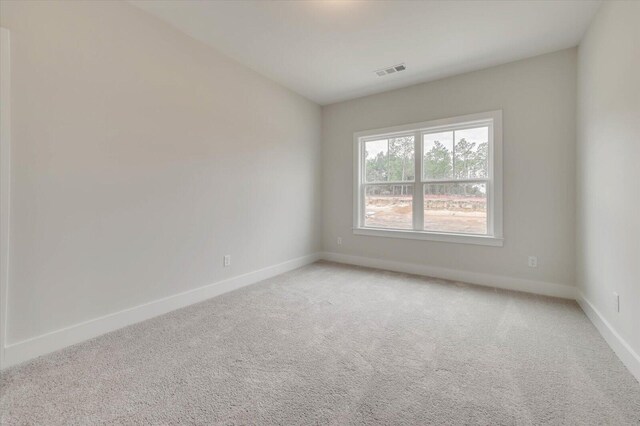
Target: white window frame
(494, 236)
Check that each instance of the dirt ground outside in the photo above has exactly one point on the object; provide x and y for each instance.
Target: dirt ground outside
(441, 213)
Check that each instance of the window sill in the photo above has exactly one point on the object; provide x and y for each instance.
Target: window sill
(483, 240)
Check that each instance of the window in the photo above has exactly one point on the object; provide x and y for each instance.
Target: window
(439, 180)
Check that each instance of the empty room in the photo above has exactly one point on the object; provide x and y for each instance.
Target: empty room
(323, 212)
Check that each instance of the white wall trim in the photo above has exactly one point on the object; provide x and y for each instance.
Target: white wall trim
(624, 351)
(40, 345)
(5, 182)
(483, 240)
(490, 119)
(58, 339)
(490, 280)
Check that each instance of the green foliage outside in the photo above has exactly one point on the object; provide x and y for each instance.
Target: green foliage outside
(438, 162)
(470, 162)
(397, 164)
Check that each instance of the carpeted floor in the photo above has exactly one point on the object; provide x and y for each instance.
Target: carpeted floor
(341, 345)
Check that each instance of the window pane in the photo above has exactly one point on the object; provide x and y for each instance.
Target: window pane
(471, 151)
(390, 160)
(438, 155)
(376, 160)
(456, 207)
(388, 206)
(402, 163)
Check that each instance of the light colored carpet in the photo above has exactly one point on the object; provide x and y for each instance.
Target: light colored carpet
(335, 344)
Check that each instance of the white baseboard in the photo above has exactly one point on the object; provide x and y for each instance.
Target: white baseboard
(498, 281)
(624, 351)
(27, 349)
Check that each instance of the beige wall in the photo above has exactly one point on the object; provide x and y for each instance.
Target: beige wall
(140, 158)
(608, 167)
(538, 98)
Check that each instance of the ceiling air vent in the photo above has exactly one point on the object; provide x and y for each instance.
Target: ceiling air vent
(390, 70)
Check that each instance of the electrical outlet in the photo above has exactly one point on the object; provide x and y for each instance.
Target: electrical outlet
(533, 261)
(339, 241)
(227, 260)
(616, 302)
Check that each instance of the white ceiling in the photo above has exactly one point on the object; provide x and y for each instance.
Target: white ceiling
(328, 50)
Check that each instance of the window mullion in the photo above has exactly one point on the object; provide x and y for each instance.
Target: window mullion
(453, 156)
(418, 195)
(490, 182)
(361, 187)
